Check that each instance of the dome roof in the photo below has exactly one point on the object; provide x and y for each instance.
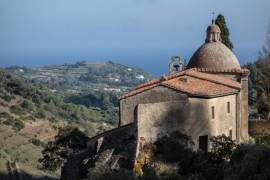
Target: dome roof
(213, 55)
(213, 28)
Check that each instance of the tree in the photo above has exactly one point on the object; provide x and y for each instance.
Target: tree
(253, 88)
(225, 33)
(263, 77)
(68, 141)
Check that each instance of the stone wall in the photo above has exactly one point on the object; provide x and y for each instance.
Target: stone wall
(243, 99)
(192, 116)
(155, 95)
(257, 127)
(118, 134)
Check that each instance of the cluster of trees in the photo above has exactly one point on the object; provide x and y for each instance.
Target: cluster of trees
(101, 99)
(43, 104)
(126, 78)
(259, 79)
(68, 141)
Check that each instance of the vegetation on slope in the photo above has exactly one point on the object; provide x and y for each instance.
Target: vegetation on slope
(33, 103)
(68, 141)
(30, 116)
(83, 76)
(226, 161)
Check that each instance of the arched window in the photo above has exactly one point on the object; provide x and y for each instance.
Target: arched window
(213, 36)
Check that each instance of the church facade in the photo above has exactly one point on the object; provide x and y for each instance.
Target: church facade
(207, 99)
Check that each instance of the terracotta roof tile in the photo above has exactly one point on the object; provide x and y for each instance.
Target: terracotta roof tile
(138, 90)
(199, 87)
(194, 82)
(222, 70)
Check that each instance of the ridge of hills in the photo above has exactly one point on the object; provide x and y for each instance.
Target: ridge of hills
(85, 76)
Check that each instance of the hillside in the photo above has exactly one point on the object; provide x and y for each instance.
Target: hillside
(85, 76)
(30, 117)
(35, 102)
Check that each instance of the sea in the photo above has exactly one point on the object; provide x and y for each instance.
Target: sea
(156, 62)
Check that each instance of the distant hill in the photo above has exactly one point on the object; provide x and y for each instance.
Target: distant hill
(85, 76)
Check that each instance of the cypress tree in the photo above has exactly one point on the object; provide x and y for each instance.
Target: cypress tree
(225, 33)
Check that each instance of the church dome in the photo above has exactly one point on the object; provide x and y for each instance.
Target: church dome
(213, 28)
(213, 54)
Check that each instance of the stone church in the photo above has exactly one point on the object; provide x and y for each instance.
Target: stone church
(207, 99)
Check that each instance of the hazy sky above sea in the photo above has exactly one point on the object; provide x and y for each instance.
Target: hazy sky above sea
(138, 33)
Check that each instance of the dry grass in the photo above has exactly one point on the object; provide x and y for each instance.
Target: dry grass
(22, 151)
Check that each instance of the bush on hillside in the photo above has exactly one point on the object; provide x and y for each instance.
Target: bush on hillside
(3, 154)
(5, 96)
(222, 147)
(16, 124)
(16, 110)
(5, 115)
(37, 142)
(27, 105)
(209, 164)
(40, 114)
(263, 139)
(68, 141)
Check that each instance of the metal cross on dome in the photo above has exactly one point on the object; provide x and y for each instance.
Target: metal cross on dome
(213, 14)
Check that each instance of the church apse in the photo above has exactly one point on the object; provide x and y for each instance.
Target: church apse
(192, 116)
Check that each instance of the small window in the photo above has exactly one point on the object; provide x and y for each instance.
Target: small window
(213, 112)
(230, 133)
(203, 143)
(228, 107)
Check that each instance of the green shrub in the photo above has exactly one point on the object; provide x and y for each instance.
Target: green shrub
(3, 154)
(263, 139)
(209, 165)
(38, 143)
(9, 121)
(68, 141)
(16, 110)
(6, 97)
(26, 105)
(222, 147)
(49, 107)
(5, 115)
(40, 114)
(52, 119)
(16, 124)
(27, 118)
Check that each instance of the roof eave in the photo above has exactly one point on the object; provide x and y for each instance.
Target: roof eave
(212, 96)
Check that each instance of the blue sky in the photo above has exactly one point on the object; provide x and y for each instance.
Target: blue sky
(139, 33)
